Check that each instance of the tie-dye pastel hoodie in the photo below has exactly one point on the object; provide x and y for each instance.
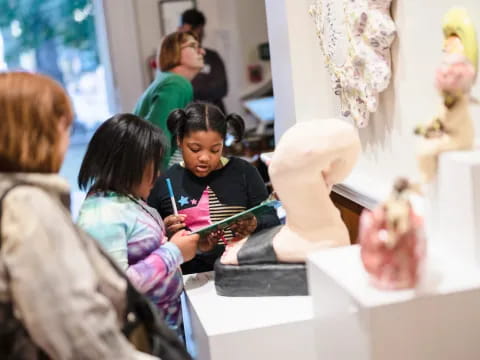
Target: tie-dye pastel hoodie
(133, 233)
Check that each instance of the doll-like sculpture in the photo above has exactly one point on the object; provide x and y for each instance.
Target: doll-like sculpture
(392, 241)
(309, 159)
(453, 128)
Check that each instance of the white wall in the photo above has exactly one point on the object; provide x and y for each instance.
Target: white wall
(281, 55)
(388, 142)
(124, 49)
(149, 32)
(235, 29)
(300, 79)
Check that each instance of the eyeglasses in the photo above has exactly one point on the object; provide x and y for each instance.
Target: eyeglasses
(195, 46)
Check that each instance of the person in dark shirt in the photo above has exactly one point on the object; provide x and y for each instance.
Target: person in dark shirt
(207, 186)
(210, 84)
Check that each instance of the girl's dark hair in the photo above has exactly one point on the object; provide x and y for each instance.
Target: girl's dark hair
(203, 117)
(119, 152)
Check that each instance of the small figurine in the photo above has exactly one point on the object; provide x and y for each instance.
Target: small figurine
(392, 242)
(453, 128)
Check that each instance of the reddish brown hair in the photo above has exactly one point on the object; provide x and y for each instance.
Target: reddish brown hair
(31, 106)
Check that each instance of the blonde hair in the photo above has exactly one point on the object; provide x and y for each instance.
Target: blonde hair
(170, 50)
(31, 107)
(457, 22)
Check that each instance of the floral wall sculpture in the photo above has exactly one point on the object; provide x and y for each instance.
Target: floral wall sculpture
(368, 29)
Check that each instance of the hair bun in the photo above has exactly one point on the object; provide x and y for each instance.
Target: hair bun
(237, 124)
(176, 119)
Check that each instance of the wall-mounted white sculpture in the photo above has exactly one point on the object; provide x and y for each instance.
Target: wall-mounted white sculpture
(368, 31)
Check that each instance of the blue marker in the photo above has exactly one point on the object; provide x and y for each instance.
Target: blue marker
(172, 197)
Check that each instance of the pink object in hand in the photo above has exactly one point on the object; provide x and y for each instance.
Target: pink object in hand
(391, 251)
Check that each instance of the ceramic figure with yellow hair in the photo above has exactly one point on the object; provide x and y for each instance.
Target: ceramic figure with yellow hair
(452, 129)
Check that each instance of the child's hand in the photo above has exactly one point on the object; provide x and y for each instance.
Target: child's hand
(187, 243)
(208, 242)
(173, 223)
(243, 228)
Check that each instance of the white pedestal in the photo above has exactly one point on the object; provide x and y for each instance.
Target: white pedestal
(353, 320)
(248, 328)
(452, 209)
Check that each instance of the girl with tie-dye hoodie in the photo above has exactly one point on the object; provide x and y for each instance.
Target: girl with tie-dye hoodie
(119, 169)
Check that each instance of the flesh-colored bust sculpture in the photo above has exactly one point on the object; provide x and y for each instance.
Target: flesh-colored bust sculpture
(453, 128)
(309, 159)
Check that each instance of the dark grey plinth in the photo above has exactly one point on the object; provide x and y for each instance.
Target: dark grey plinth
(259, 273)
(261, 280)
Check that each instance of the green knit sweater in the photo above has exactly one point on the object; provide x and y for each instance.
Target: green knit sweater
(167, 92)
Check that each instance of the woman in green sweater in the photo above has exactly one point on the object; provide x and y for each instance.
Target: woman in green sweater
(179, 59)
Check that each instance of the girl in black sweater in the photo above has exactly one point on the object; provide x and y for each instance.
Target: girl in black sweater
(207, 186)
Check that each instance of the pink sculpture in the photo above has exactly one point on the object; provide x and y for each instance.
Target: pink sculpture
(455, 76)
(392, 242)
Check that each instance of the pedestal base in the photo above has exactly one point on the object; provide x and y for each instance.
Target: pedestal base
(452, 206)
(439, 319)
(254, 328)
(261, 280)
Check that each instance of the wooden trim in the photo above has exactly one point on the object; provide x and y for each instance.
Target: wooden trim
(350, 212)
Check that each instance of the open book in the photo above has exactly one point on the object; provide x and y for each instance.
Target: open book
(225, 223)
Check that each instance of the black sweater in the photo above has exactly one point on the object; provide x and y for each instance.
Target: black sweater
(237, 186)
